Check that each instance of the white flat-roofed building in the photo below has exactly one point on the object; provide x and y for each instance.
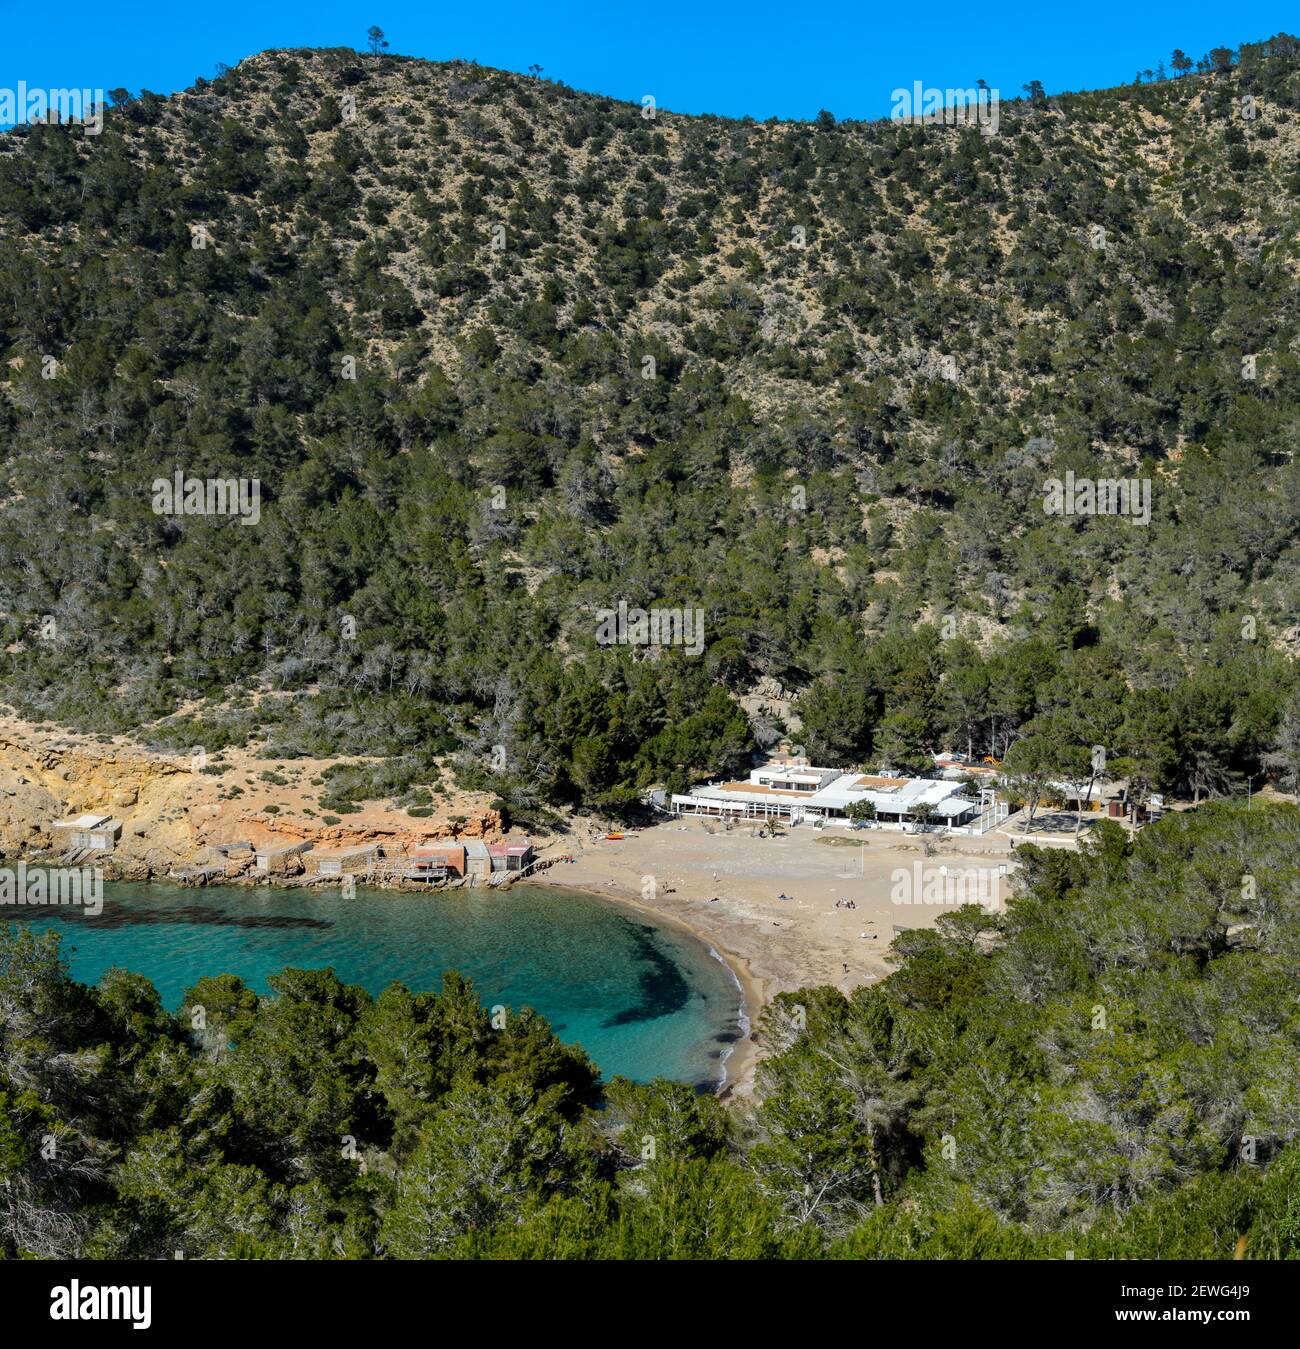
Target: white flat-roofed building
(794, 777)
(89, 831)
(777, 791)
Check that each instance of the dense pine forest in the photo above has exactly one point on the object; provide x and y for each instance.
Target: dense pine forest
(500, 355)
(1108, 1069)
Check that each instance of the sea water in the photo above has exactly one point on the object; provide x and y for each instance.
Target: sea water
(643, 1000)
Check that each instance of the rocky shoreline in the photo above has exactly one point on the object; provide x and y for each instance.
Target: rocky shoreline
(176, 809)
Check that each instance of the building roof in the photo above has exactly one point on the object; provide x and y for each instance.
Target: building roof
(82, 822)
(758, 789)
(889, 795)
(958, 766)
(1101, 788)
(275, 849)
(475, 847)
(358, 850)
(439, 850)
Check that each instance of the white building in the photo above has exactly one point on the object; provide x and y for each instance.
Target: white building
(802, 792)
(88, 831)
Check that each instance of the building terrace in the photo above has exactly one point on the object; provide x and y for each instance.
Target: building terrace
(778, 791)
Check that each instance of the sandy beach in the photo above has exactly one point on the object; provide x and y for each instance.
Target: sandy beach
(723, 886)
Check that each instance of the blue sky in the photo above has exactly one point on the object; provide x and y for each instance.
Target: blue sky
(764, 59)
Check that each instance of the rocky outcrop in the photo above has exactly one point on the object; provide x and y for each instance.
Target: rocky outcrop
(401, 832)
(171, 814)
(44, 778)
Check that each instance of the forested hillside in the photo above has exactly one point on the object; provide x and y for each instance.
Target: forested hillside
(501, 354)
(1109, 1069)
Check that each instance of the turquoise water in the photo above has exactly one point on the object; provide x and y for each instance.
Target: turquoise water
(643, 1001)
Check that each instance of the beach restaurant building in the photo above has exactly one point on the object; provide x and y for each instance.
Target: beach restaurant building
(779, 791)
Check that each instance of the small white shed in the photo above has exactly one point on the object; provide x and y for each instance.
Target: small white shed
(99, 832)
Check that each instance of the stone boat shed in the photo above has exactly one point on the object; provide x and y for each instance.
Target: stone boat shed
(510, 855)
(279, 858)
(478, 860)
(97, 832)
(343, 861)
